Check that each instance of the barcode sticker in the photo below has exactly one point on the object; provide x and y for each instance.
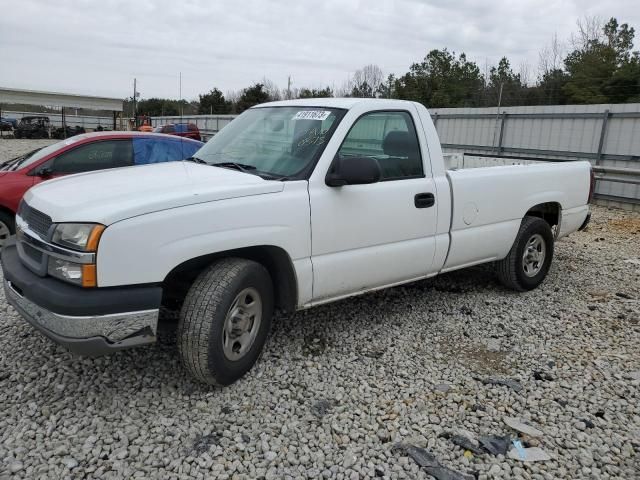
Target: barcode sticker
(311, 115)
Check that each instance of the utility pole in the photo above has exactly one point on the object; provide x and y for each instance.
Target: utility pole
(289, 88)
(181, 105)
(495, 130)
(135, 112)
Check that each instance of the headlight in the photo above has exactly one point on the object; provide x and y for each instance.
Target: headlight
(78, 236)
(83, 275)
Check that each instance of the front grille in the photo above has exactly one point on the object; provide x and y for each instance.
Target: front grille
(32, 253)
(36, 220)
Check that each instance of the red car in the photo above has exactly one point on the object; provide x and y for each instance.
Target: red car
(83, 153)
(187, 130)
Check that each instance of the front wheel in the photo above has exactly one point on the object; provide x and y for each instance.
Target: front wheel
(529, 259)
(225, 320)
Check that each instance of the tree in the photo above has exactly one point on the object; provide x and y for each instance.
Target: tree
(387, 89)
(604, 68)
(505, 87)
(365, 82)
(156, 107)
(589, 31)
(272, 90)
(440, 80)
(315, 93)
(251, 96)
(551, 88)
(550, 57)
(213, 102)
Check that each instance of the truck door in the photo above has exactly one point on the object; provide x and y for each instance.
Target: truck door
(368, 236)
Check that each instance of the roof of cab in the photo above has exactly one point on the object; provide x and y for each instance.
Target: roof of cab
(331, 102)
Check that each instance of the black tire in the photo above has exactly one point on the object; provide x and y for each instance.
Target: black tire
(6, 220)
(17, 134)
(512, 271)
(201, 328)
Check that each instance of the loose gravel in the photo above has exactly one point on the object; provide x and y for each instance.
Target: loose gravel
(340, 386)
(11, 148)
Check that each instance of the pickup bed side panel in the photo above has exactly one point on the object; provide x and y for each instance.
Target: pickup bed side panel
(489, 204)
(146, 248)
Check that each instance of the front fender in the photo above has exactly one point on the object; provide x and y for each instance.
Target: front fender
(144, 249)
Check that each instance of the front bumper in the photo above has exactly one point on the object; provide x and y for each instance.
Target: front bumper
(86, 321)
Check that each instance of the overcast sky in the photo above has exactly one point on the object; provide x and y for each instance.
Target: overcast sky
(98, 47)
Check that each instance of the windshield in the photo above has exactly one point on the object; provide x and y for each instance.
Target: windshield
(276, 141)
(27, 159)
(35, 155)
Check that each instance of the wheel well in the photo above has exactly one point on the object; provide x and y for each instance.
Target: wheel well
(7, 211)
(549, 212)
(274, 259)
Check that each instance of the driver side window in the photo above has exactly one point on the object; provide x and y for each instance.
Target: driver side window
(391, 139)
(94, 156)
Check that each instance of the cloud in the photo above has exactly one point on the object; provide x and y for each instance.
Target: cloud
(99, 47)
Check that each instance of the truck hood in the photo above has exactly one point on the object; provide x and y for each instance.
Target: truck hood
(112, 195)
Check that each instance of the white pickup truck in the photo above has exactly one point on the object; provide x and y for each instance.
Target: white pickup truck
(291, 205)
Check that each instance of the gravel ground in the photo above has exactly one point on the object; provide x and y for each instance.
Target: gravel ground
(338, 386)
(10, 148)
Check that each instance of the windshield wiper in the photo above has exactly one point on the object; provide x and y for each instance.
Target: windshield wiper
(194, 159)
(271, 176)
(17, 161)
(238, 166)
(242, 167)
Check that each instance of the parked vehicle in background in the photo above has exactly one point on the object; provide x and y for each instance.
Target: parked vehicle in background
(79, 154)
(292, 205)
(188, 130)
(145, 127)
(7, 124)
(36, 126)
(67, 131)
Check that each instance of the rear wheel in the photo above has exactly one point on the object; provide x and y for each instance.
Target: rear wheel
(529, 259)
(7, 227)
(225, 320)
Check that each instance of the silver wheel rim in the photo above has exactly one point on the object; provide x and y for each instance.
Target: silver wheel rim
(534, 255)
(4, 233)
(242, 324)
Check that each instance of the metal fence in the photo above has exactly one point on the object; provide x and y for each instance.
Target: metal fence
(90, 122)
(208, 125)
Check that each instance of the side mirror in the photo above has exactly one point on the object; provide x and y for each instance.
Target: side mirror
(45, 172)
(353, 171)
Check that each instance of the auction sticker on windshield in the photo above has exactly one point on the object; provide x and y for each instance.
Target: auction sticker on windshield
(311, 115)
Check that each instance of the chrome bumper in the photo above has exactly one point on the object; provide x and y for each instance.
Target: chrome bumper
(88, 335)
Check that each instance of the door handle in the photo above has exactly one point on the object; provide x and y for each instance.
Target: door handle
(424, 200)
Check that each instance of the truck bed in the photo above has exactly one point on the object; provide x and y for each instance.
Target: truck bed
(492, 195)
